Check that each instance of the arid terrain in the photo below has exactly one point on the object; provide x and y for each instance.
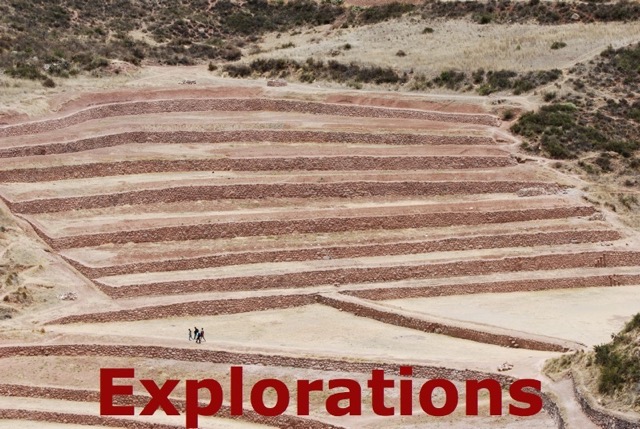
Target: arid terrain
(313, 232)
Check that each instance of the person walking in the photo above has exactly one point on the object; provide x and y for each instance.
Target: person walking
(190, 335)
(196, 334)
(202, 334)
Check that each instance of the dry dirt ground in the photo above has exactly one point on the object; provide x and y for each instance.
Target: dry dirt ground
(458, 44)
(314, 233)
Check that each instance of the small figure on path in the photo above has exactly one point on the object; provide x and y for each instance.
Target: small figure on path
(196, 334)
(190, 335)
(202, 334)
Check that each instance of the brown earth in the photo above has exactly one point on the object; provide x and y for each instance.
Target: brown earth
(348, 202)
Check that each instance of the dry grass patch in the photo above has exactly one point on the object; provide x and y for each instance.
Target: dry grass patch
(452, 44)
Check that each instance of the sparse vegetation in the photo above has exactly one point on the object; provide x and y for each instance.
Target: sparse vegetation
(374, 14)
(41, 38)
(612, 369)
(311, 70)
(508, 115)
(577, 125)
(558, 45)
(287, 45)
(543, 12)
(486, 83)
(617, 360)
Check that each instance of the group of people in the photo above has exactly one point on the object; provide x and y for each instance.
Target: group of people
(197, 335)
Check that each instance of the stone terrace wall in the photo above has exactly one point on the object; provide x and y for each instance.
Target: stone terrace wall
(311, 225)
(381, 294)
(214, 356)
(305, 163)
(79, 419)
(243, 305)
(599, 416)
(240, 105)
(233, 358)
(196, 308)
(353, 251)
(392, 318)
(275, 136)
(275, 190)
(282, 421)
(376, 274)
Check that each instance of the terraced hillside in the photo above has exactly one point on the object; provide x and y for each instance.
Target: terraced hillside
(313, 235)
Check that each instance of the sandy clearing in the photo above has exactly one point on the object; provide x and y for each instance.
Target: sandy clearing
(114, 184)
(300, 329)
(587, 315)
(281, 268)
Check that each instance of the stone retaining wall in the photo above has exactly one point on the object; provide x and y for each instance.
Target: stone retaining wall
(257, 136)
(79, 419)
(311, 225)
(350, 189)
(315, 163)
(381, 294)
(354, 275)
(599, 416)
(240, 105)
(242, 305)
(215, 356)
(353, 251)
(234, 358)
(486, 337)
(196, 308)
(76, 395)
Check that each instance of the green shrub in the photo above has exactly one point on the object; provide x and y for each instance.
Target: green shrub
(604, 162)
(237, 70)
(48, 83)
(25, 71)
(618, 365)
(385, 12)
(632, 324)
(508, 115)
(558, 45)
(484, 18)
(451, 79)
